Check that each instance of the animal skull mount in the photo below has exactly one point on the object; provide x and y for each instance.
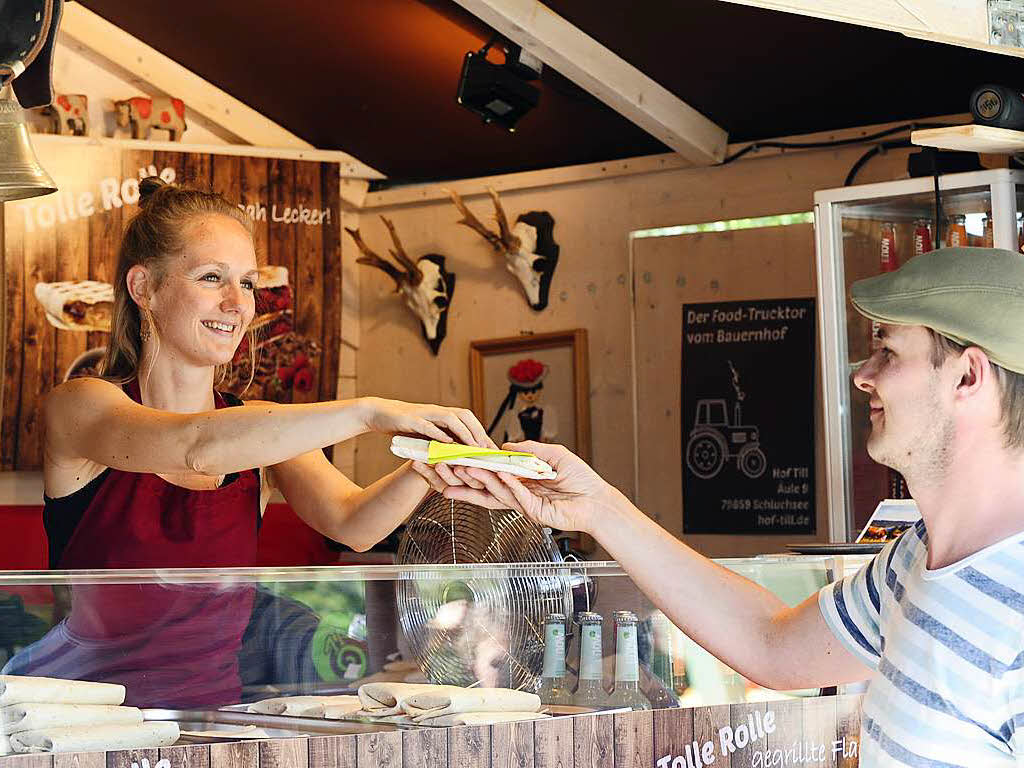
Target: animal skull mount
(529, 247)
(426, 286)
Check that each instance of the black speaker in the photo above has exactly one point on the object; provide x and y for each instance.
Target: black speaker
(998, 106)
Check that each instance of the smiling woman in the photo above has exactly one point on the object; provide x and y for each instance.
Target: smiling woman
(150, 466)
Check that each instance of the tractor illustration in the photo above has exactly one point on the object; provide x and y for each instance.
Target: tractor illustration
(713, 441)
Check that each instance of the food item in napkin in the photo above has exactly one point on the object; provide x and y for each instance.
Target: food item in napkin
(435, 704)
(382, 699)
(19, 689)
(307, 706)
(96, 738)
(34, 717)
(481, 718)
(77, 305)
(341, 706)
(295, 706)
(514, 462)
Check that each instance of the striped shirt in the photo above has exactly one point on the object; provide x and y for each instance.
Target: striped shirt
(948, 647)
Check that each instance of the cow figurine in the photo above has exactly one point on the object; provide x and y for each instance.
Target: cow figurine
(69, 114)
(529, 247)
(426, 286)
(142, 113)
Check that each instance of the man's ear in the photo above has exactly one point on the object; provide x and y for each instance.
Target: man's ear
(974, 371)
(138, 283)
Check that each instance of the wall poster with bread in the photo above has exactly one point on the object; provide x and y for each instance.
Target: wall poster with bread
(59, 260)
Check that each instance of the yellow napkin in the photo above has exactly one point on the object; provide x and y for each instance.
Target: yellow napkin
(446, 451)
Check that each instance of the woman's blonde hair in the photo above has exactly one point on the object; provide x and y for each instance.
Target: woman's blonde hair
(156, 233)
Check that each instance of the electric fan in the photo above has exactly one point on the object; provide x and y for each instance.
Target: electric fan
(481, 625)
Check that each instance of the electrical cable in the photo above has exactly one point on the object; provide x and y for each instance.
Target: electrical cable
(879, 149)
(757, 145)
(938, 196)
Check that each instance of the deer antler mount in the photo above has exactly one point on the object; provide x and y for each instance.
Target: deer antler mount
(426, 285)
(529, 247)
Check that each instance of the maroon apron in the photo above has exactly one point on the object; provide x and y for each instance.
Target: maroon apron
(171, 645)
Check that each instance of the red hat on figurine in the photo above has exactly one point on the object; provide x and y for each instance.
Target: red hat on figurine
(527, 373)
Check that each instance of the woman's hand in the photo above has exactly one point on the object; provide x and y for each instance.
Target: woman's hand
(437, 422)
(565, 503)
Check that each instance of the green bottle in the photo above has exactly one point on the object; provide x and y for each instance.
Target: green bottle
(590, 692)
(627, 664)
(661, 653)
(552, 688)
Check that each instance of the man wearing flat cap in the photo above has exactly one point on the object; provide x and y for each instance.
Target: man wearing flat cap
(936, 619)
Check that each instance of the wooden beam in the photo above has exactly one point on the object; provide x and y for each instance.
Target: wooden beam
(955, 22)
(611, 79)
(633, 166)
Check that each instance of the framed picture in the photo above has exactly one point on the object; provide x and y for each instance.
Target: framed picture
(534, 387)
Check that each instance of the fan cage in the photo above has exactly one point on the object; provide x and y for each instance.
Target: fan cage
(481, 626)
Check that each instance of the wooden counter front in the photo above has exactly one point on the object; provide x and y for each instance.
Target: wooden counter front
(822, 730)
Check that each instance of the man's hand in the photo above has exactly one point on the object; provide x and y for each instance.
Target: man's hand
(565, 503)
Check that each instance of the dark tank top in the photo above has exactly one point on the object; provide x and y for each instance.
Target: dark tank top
(171, 644)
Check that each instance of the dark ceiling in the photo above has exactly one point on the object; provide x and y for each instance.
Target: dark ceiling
(377, 78)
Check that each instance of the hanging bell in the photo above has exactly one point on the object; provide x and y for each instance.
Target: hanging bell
(21, 175)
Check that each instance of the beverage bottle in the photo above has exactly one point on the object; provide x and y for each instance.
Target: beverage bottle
(590, 692)
(888, 260)
(922, 236)
(553, 689)
(627, 664)
(661, 653)
(957, 237)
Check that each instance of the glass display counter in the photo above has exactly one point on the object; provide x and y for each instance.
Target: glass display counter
(203, 639)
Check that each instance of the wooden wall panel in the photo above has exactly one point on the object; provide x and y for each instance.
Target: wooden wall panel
(284, 753)
(14, 327)
(280, 195)
(425, 748)
(72, 263)
(820, 727)
(379, 750)
(86, 760)
(226, 179)
(332, 752)
(634, 740)
(707, 721)
(308, 279)
(469, 746)
(553, 743)
(198, 172)
(512, 745)
(190, 756)
(39, 340)
(848, 726)
(673, 731)
(29, 761)
(132, 758)
(594, 741)
(331, 248)
(243, 754)
(255, 191)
